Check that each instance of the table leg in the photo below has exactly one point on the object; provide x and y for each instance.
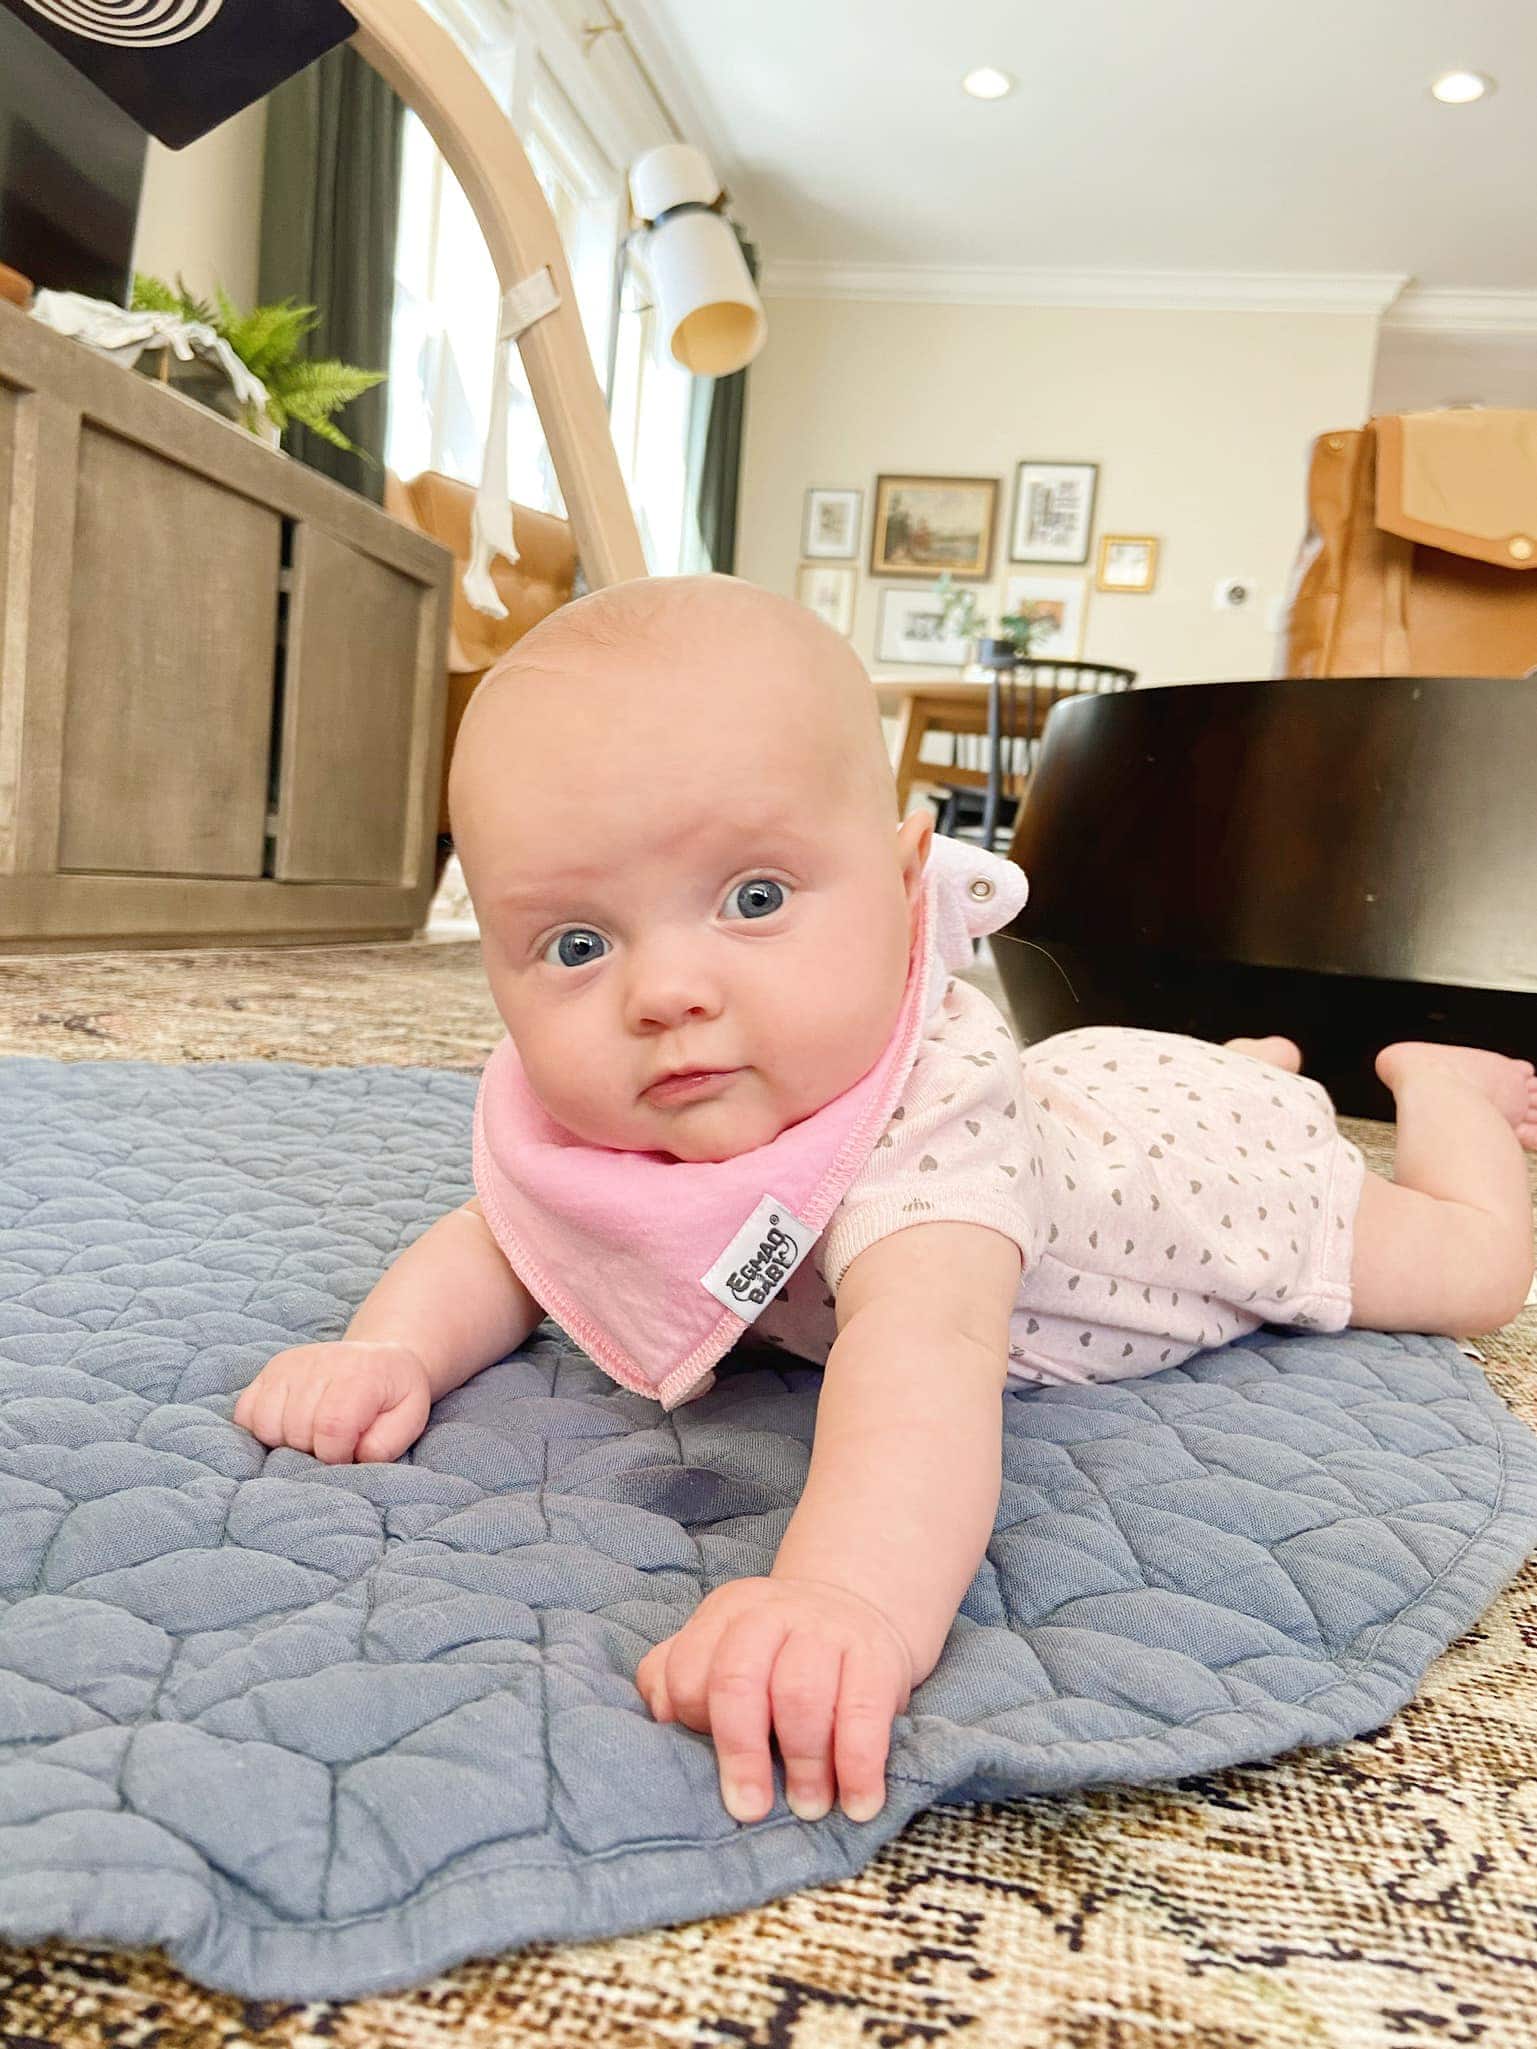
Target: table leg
(914, 724)
(994, 764)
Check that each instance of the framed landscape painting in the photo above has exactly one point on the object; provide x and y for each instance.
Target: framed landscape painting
(926, 525)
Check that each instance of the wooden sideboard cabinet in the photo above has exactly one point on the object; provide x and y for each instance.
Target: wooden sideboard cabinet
(221, 676)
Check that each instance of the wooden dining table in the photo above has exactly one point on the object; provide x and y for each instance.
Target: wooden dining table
(950, 704)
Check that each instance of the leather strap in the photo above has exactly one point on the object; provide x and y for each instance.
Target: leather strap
(1397, 569)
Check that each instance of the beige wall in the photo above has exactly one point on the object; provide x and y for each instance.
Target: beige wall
(201, 210)
(1200, 423)
(1420, 369)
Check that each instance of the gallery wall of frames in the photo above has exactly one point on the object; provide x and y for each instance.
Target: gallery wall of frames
(907, 532)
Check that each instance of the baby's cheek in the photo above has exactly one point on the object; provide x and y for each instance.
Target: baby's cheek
(577, 1082)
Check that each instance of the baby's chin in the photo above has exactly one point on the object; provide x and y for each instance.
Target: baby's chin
(715, 1131)
(699, 1132)
(717, 1145)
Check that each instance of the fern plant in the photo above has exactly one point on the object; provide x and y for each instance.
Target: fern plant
(301, 390)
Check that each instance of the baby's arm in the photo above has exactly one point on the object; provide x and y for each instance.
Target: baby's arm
(894, 1519)
(447, 1308)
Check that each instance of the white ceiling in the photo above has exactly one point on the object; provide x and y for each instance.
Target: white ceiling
(1189, 135)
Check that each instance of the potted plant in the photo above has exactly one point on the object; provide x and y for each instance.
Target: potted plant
(994, 648)
(294, 388)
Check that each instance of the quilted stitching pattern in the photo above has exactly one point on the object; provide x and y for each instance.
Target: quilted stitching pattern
(322, 1731)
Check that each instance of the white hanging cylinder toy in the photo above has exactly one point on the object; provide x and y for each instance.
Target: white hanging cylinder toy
(710, 313)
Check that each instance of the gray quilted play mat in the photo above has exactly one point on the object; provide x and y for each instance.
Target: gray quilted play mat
(326, 1731)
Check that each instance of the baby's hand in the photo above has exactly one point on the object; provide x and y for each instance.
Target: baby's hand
(350, 1400)
(823, 1667)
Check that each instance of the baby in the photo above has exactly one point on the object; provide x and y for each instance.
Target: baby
(739, 1087)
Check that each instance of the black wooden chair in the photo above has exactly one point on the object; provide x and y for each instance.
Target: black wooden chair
(1027, 694)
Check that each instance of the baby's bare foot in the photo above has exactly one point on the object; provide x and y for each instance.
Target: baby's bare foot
(1511, 1085)
(1275, 1052)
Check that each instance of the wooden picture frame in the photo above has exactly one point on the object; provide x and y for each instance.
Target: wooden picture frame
(927, 526)
(1053, 512)
(830, 524)
(1127, 562)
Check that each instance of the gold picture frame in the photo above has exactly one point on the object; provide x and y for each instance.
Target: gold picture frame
(1127, 562)
(928, 526)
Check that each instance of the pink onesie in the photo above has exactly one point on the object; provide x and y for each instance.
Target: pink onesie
(1165, 1195)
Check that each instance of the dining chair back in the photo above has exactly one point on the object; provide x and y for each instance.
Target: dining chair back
(1027, 693)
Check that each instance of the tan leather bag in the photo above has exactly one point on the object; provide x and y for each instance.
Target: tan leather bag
(1421, 552)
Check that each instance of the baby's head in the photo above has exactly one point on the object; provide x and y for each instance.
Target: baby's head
(677, 822)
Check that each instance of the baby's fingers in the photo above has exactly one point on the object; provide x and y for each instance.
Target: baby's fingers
(738, 1698)
(343, 1410)
(869, 1696)
(804, 1692)
(260, 1410)
(651, 1681)
(396, 1430)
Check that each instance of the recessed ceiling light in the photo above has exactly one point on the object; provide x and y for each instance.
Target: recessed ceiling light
(987, 84)
(1461, 88)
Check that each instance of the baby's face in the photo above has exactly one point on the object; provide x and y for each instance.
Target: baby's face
(696, 913)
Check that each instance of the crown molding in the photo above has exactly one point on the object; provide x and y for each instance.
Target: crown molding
(1432, 310)
(1367, 292)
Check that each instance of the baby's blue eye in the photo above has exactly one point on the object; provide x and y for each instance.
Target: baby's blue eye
(574, 949)
(755, 899)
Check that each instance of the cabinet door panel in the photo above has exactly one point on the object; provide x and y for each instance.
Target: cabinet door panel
(7, 482)
(172, 643)
(347, 811)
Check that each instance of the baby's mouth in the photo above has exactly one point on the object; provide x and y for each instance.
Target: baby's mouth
(694, 1086)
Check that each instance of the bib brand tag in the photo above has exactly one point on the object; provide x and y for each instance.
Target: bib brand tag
(760, 1259)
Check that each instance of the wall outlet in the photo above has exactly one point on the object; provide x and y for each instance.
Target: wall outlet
(1234, 593)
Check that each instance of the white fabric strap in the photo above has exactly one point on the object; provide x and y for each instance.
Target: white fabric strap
(491, 525)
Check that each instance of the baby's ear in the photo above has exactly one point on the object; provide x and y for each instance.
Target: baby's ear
(914, 836)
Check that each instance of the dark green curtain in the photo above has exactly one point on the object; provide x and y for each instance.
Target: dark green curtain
(716, 411)
(330, 200)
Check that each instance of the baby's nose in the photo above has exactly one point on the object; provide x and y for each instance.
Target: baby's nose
(666, 990)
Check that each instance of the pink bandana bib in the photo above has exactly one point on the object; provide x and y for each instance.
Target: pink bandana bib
(655, 1266)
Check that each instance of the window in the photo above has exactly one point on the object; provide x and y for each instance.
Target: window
(443, 344)
(651, 414)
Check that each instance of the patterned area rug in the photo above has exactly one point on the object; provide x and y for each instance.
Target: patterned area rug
(1377, 1894)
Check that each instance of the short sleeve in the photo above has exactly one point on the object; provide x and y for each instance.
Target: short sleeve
(960, 1146)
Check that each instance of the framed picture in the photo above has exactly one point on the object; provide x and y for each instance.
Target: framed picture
(1053, 511)
(830, 531)
(924, 525)
(828, 592)
(1064, 597)
(911, 630)
(1127, 562)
